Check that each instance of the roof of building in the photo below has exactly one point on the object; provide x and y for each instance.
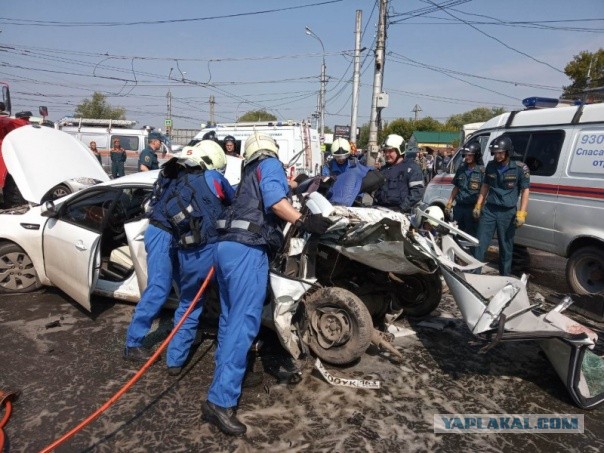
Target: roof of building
(435, 137)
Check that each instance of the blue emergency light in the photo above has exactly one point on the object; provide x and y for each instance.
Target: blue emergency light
(539, 103)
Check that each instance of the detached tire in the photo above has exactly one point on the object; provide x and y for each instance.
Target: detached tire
(17, 272)
(585, 270)
(419, 294)
(339, 325)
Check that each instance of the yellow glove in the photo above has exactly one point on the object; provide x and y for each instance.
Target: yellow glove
(476, 212)
(520, 218)
(449, 209)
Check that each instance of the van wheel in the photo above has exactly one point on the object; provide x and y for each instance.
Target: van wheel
(585, 270)
(339, 325)
(17, 272)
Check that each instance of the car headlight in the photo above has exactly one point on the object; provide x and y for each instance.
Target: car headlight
(86, 181)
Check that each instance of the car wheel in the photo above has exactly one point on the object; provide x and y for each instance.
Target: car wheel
(585, 270)
(419, 294)
(339, 325)
(57, 192)
(17, 272)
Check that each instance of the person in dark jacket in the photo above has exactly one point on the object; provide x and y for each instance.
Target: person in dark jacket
(404, 186)
(118, 157)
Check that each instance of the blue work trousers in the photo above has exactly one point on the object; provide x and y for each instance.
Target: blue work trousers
(462, 214)
(502, 220)
(242, 273)
(194, 267)
(162, 267)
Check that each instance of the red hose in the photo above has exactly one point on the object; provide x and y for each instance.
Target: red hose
(137, 376)
(8, 408)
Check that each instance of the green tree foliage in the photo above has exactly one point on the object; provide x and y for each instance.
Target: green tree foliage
(478, 115)
(98, 108)
(256, 115)
(577, 69)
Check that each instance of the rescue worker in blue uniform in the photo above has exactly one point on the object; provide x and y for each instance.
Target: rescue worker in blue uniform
(404, 186)
(467, 183)
(340, 150)
(162, 267)
(251, 228)
(118, 157)
(197, 200)
(505, 181)
(148, 157)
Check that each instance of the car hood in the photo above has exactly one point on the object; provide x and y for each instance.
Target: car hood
(39, 158)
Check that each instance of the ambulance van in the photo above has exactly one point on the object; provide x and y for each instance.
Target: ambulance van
(564, 150)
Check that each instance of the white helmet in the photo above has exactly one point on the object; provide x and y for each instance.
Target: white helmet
(206, 153)
(340, 148)
(258, 144)
(394, 141)
(436, 212)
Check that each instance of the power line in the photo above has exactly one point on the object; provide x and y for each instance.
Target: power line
(41, 23)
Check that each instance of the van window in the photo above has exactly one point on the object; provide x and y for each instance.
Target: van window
(127, 142)
(588, 154)
(540, 150)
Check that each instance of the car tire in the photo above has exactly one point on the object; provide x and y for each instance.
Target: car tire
(17, 272)
(339, 325)
(585, 270)
(57, 192)
(419, 294)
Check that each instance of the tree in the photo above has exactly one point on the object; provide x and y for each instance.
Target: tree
(256, 115)
(478, 115)
(98, 108)
(577, 70)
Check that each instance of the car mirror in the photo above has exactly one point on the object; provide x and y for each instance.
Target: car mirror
(581, 370)
(49, 209)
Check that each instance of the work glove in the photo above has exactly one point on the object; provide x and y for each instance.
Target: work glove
(476, 212)
(314, 223)
(520, 218)
(449, 210)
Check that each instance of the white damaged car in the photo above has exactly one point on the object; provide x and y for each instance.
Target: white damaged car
(77, 243)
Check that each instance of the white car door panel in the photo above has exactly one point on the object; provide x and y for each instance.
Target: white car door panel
(72, 259)
(135, 233)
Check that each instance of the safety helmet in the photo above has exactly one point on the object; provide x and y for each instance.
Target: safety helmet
(502, 143)
(211, 135)
(230, 138)
(340, 148)
(206, 153)
(259, 144)
(436, 212)
(394, 141)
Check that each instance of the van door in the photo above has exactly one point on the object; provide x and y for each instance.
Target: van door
(540, 151)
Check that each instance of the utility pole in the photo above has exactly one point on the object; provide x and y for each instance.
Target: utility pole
(309, 32)
(212, 104)
(356, 78)
(377, 97)
(169, 117)
(416, 110)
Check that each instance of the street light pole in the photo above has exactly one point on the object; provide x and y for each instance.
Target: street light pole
(309, 32)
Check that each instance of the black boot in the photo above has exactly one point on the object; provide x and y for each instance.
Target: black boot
(223, 418)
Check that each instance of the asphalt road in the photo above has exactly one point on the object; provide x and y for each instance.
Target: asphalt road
(67, 363)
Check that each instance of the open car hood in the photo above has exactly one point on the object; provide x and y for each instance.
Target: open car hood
(39, 158)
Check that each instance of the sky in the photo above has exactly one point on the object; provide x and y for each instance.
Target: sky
(445, 56)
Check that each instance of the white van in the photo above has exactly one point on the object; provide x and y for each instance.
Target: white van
(296, 140)
(564, 150)
(103, 132)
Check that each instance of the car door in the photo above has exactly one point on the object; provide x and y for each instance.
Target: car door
(135, 234)
(72, 241)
